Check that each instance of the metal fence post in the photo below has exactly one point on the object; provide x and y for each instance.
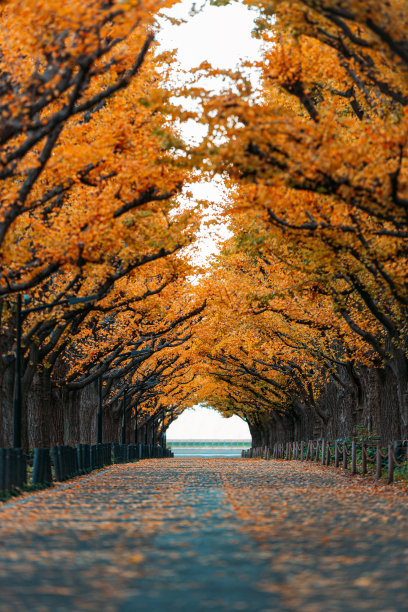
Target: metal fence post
(336, 454)
(390, 465)
(378, 463)
(364, 458)
(345, 455)
(353, 458)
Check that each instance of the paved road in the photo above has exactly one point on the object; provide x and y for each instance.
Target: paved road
(183, 535)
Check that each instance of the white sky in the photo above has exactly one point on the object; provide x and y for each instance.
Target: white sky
(200, 423)
(222, 36)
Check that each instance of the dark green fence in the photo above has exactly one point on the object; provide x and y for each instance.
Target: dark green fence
(13, 468)
(62, 462)
(357, 457)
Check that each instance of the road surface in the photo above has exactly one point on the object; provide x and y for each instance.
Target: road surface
(187, 534)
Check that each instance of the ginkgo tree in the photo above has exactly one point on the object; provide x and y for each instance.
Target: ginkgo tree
(317, 162)
(88, 192)
(300, 324)
(60, 64)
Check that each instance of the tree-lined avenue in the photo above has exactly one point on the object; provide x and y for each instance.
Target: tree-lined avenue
(184, 534)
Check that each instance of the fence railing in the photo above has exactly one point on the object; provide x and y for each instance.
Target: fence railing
(358, 457)
(13, 468)
(62, 462)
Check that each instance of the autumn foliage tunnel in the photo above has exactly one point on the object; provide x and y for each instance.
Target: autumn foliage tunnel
(299, 323)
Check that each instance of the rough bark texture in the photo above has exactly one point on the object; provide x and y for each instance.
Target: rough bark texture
(372, 398)
(56, 416)
(372, 403)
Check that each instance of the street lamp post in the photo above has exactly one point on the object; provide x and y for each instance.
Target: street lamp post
(163, 435)
(124, 418)
(99, 418)
(17, 403)
(18, 393)
(135, 430)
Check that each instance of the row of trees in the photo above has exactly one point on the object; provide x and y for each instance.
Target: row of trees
(90, 223)
(300, 324)
(311, 292)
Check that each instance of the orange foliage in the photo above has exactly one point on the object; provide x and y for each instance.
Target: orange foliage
(315, 278)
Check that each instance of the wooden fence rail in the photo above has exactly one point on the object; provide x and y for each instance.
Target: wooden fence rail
(351, 455)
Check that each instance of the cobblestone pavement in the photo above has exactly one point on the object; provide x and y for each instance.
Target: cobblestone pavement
(207, 534)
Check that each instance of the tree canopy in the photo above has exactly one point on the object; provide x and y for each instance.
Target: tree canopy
(306, 300)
